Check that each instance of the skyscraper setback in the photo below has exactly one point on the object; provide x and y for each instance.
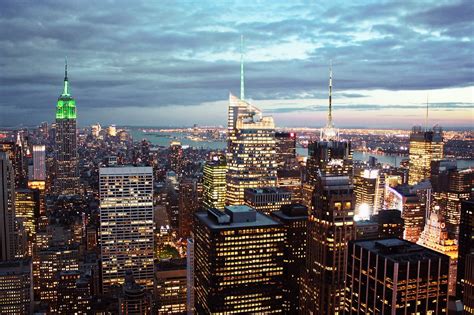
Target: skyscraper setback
(67, 178)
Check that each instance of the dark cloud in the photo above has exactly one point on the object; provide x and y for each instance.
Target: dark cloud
(151, 54)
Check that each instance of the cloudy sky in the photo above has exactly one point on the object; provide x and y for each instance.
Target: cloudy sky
(161, 63)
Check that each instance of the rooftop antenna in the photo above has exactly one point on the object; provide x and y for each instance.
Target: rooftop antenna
(330, 96)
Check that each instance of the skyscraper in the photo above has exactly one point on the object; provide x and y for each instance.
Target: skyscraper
(176, 157)
(16, 287)
(214, 185)
(27, 207)
(126, 224)
(294, 219)
(425, 146)
(134, 299)
(171, 286)
(368, 190)
(8, 244)
(251, 155)
(331, 221)
(285, 150)
(67, 178)
(393, 276)
(238, 262)
(39, 162)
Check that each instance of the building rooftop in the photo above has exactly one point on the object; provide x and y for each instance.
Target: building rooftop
(125, 170)
(235, 217)
(267, 190)
(399, 250)
(293, 212)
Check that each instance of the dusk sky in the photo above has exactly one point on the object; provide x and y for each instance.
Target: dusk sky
(173, 63)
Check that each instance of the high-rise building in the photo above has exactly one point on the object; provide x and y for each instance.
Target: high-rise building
(239, 262)
(67, 294)
(294, 219)
(67, 176)
(27, 206)
(393, 276)
(16, 287)
(292, 181)
(267, 199)
(366, 229)
(285, 150)
(190, 276)
(425, 146)
(412, 209)
(368, 189)
(171, 286)
(126, 225)
(465, 244)
(435, 236)
(39, 186)
(14, 151)
(251, 155)
(330, 228)
(188, 204)
(331, 221)
(8, 243)
(176, 157)
(134, 299)
(214, 185)
(39, 162)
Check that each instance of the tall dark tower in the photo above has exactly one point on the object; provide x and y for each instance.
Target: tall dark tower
(331, 221)
(67, 178)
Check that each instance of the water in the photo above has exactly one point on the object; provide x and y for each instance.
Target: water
(164, 139)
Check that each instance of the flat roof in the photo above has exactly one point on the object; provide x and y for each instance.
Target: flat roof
(399, 250)
(261, 220)
(125, 170)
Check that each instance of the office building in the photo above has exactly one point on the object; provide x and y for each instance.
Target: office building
(214, 185)
(330, 228)
(238, 262)
(425, 146)
(267, 199)
(171, 286)
(27, 207)
(126, 225)
(465, 245)
(251, 155)
(67, 294)
(294, 218)
(67, 176)
(176, 157)
(16, 287)
(15, 153)
(39, 162)
(285, 147)
(393, 276)
(188, 203)
(435, 236)
(190, 276)
(291, 180)
(468, 285)
(411, 207)
(8, 241)
(368, 190)
(366, 229)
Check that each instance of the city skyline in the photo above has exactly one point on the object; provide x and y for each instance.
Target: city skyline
(175, 65)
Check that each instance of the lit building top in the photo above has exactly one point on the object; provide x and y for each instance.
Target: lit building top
(66, 106)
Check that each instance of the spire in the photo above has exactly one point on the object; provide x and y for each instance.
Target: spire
(330, 97)
(66, 82)
(242, 85)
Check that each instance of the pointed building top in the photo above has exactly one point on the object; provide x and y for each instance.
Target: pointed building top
(329, 132)
(66, 81)
(242, 83)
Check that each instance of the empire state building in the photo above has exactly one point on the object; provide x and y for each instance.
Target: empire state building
(67, 178)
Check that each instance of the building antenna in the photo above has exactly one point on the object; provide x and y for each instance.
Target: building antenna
(330, 96)
(242, 84)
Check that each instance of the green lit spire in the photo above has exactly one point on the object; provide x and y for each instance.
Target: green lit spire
(242, 87)
(66, 106)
